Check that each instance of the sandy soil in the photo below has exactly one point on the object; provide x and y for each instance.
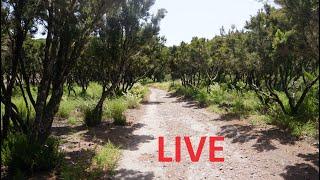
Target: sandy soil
(250, 152)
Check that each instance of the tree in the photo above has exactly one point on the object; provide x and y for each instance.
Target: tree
(68, 25)
(121, 49)
(287, 62)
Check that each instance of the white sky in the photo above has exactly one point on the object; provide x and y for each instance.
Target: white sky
(203, 18)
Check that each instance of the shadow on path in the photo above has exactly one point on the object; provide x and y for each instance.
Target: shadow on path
(263, 137)
(131, 174)
(303, 171)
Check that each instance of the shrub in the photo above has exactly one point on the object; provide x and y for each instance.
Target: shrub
(164, 85)
(132, 100)
(107, 157)
(92, 117)
(21, 154)
(115, 110)
(309, 109)
(297, 126)
(66, 106)
(23, 109)
(218, 94)
(139, 90)
(80, 170)
(203, 97)
(72, 120)
(94, 90)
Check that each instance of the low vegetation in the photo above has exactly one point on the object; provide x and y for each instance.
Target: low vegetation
(23, 156)
(94, 54)
(102, 164)
(107, 157)
(244, 103)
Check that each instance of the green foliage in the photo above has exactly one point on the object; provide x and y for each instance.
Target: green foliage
(139, 91)
(163, 85)
(94, 90)
(22, 154)
(297, 126)
(65, 108)
(92, 117)
(80, 170)
(310, 107)
(108, 157)
(72, 120)
(24, 111)
(115, 109)
(220, 99)
(132, 100)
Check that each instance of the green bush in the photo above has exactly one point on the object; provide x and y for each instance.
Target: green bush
(21, 154)
(164, 85)
(23, 109)
(92, 117)
(297, 126)
(80, 170)
(66, 106)
(309, 109)
(139, 90)
(203, 97)
(115, 109)
(108, 157)
(218, 94)
(132, 100)
(72, 120)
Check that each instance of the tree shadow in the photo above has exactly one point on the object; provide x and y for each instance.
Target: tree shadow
(193, 104)
(80, 156)
(151, 102)
(106, 131)
(120, 135)
(263, 138)
(301, 171)
(67, 129)
(190, 103)
(131, 174)
(313, 158)
(228, 117)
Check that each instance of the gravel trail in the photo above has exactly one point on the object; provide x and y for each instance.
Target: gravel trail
(250, 152)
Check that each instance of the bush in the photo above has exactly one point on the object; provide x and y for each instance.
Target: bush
(23, 109)
(107, 158)
(65, 108)
(309, 109)
(203, 97)
(80, 170)
(115, 110)
(139, 90)
(164, 85)
(72, 120)
(132, 100)
(94, 90)
(21, 154)
(92, 117)
(297, 126)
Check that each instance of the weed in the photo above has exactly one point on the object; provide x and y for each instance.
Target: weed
(108, 157)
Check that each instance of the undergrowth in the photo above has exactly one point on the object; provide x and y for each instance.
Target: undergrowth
(222, 99)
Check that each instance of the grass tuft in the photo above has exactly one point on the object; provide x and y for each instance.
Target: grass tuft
(108, 157)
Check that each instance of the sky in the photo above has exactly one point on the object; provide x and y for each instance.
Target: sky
(203, 18)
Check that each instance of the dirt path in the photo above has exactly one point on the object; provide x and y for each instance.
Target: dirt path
(249, 152)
